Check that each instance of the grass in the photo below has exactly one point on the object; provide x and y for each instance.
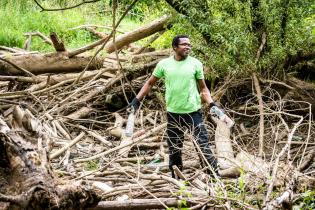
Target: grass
(16, 20)
(92, 165)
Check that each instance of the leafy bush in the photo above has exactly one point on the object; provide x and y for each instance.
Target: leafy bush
(20, 17)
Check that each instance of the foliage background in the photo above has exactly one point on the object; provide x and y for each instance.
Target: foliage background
(226, 35)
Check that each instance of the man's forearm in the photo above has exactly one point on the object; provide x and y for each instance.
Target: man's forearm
(206, 96)
(144, 91)
(146, 87)
(204, 92)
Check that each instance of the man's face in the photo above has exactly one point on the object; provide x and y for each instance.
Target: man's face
(184, 47)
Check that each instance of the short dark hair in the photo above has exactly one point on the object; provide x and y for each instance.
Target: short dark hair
(175, 41)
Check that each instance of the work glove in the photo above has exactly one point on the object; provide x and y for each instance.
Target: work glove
(216, 110)
(212, 104)
(135, 104)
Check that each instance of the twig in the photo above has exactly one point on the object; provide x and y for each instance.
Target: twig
(63, 149)
(276, 164)
(261, 116)
(65, 8)
(147, 134)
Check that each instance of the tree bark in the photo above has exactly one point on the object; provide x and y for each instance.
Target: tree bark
(48, 63)
(140, 33)
(27, 180)
(137, 204)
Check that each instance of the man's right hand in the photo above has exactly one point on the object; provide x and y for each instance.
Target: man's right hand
(212, 104)
(135, 104)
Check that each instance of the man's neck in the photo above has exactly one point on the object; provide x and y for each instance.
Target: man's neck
(179, 58)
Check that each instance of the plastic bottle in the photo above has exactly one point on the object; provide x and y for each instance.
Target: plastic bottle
(216, 112)
(130, 124)
(156, 159)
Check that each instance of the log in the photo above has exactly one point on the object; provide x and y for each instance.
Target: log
(48, 63)
(151, 55)
(140, 33)
(57, 78)
(137, 204)
(27, 180)
(223, 145)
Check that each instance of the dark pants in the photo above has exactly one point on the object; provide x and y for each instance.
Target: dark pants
(177, 123)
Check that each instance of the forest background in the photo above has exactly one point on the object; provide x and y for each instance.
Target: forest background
(226, 35)
(244, 45)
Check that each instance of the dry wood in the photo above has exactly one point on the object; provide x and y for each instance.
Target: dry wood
(37, 33)
(15, 67)
(96, 33)
(223, 145)
(261, 115)
(125, 39)
(151, 55)
(62, 150)
(10, 49)
(49, 63)
(34, 183)
(147, 134)
(61, 104)
(57, 43)
(151, 40)
(136, 204)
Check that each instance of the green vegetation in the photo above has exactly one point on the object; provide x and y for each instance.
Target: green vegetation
(92, 165)
(226, 35)
(20, 17)
(307, 202)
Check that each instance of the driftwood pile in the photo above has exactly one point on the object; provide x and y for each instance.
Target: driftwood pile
(63, 145)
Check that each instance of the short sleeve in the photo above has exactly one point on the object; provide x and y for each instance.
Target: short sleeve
(199, 71)
(158, 71)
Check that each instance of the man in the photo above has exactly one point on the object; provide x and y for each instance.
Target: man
(183, 76)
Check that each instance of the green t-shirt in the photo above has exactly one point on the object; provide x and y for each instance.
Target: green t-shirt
(182, 95)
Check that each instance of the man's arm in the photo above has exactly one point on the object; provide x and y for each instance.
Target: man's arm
(204, 92)
(147, 87)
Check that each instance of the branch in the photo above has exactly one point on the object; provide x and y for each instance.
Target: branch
(63, 149)
(261, 116)
(39, 34)
(65, 8)
(261, 47)
(182, 7)
(57, 43)
(136, 140)
(102, 41)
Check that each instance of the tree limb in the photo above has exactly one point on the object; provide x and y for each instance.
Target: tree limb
(65, 8)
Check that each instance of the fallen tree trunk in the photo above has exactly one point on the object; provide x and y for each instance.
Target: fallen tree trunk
(139, 204)
(27, 180)
(125, 39)
(48, 63)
